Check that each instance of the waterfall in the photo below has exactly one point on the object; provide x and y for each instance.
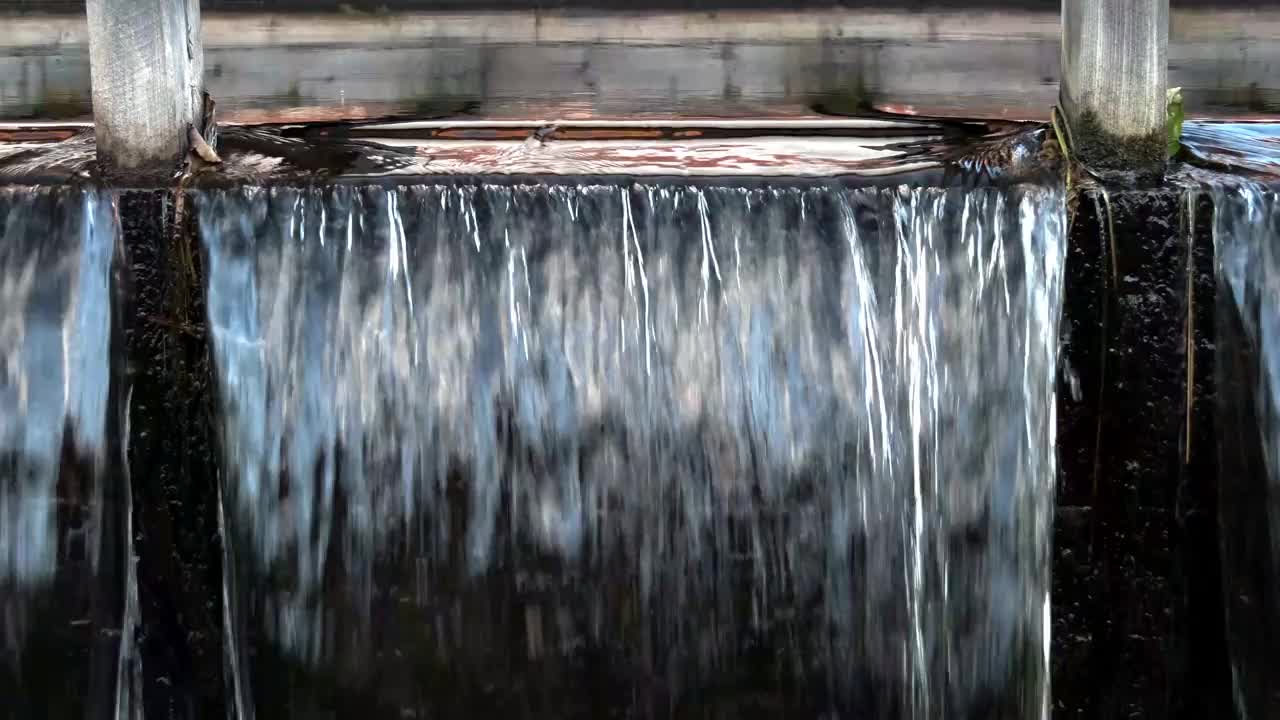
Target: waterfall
(57, 522)
(1246, 233)
(687, 434)
(55, 257)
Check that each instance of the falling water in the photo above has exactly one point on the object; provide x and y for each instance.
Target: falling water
(489, 444)
(1247, 242)
(60, 532)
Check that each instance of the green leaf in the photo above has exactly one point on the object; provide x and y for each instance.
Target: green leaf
(1173, 120)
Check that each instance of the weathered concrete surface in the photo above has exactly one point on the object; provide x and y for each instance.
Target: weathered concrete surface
(985, 64)
(147, 69)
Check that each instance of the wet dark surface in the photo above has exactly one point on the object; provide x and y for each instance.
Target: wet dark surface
(1138, 613)
(172, 460)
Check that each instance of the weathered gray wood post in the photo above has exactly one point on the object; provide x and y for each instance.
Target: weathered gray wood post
(1114, 73)
(147, 66)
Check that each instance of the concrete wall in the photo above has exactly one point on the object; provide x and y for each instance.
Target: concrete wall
(996, 63)
(72, 6)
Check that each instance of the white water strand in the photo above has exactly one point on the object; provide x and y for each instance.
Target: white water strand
(1246, 234)
(1247, 242)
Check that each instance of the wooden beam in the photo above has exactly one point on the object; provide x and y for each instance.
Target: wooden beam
(1114, 76)
(146, 66)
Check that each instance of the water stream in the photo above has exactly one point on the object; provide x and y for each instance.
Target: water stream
(61, 537)
(1247, 242)
(575, 450)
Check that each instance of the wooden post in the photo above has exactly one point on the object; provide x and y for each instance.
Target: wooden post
(146, 65)
(1114, 73)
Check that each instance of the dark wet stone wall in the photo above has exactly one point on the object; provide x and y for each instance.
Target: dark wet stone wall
(1137, 588)
(172, 464)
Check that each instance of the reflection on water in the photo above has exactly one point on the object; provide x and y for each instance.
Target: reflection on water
(62, 577)
(631, 450)
(770, 147)
(1237, 147)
